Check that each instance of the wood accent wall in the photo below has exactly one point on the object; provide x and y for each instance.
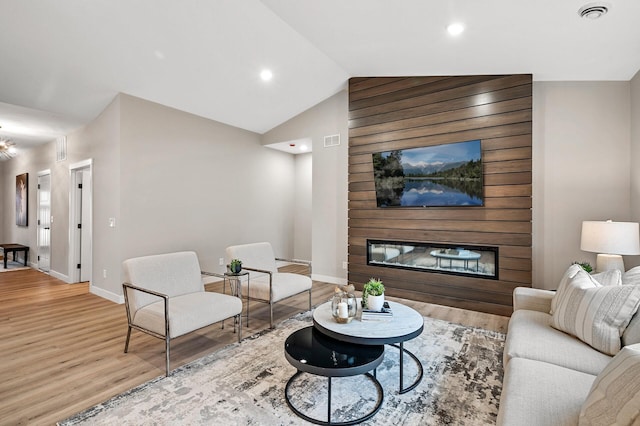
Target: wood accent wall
(407, 112)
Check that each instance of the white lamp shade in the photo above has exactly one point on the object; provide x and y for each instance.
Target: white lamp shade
(609, 237)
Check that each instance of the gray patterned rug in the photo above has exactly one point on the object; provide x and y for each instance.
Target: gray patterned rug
(243, 384)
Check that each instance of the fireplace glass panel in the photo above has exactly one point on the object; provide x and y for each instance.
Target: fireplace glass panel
(476, 261)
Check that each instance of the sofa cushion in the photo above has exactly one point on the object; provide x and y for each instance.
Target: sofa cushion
(631, 334)
(596, 314)
(614, 397)
(188, 312)
(531, 336)
(541, 394)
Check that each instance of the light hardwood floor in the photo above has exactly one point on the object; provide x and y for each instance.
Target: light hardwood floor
(62, 347)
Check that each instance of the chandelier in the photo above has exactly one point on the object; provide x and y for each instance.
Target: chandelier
(7, 149)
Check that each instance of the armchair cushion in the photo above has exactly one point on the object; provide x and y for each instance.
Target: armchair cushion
(172, 274)
(187, 312)
(255, 255)
(284, 285)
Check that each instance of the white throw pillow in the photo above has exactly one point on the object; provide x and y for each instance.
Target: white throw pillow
(632, 276)
(593, 313)
(614, 398)
(610, 277)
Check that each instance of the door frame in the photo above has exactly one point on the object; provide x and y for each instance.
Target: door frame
(74, 246)
(41, 173)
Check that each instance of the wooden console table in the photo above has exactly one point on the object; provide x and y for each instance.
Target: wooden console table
(13, 248)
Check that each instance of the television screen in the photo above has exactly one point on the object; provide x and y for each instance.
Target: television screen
(432, 176)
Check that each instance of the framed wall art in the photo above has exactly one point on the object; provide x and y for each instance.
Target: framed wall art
(22, 199)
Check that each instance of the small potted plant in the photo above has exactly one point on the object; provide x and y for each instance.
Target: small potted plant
(235, 266)
(585, 265)
(373, 295)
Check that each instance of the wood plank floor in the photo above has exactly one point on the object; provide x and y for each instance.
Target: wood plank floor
(62, 347)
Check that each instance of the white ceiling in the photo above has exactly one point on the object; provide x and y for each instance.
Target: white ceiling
(63, 61)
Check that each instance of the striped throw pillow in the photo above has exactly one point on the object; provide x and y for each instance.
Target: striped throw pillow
(614, 398)
(595, 314)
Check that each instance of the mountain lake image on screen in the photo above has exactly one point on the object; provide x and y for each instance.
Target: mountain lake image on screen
(444, 175)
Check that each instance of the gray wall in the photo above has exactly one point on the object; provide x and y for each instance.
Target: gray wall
(635, 149)
(581, 168)
(329, 215)
(303, 212)
(188, 183)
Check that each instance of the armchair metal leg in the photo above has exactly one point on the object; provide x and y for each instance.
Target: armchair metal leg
(240, 327)
(167, 340)
(271, 313)
(126, 344)
(309, 299)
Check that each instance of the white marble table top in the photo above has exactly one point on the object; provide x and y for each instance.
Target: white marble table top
(405, 324)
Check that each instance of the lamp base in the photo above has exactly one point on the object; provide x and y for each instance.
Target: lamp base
(607, 262)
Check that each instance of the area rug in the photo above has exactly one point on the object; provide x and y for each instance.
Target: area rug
(12, 266)
(243, 384)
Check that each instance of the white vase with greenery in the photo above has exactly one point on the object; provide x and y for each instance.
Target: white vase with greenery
(373, 295)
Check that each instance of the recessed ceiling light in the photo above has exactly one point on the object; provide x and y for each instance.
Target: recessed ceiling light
(266, 75)
(455, 29)
(593, 10)
(303, 148)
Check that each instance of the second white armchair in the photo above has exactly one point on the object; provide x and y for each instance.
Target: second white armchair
(266, 283)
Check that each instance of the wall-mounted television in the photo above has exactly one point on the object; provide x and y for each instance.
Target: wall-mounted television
(433, 176)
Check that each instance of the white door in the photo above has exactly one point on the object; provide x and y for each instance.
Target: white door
(85, 232)
(80, 222)
(44, 221)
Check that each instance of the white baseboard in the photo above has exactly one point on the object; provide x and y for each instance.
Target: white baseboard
(59, 276)
(328, 279)
(117, 298)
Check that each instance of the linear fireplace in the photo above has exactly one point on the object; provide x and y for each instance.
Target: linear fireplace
(466, 260)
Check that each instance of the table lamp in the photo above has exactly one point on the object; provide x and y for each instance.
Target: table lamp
(610, 240)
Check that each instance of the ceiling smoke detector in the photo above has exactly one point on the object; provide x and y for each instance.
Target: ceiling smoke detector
(593, 10)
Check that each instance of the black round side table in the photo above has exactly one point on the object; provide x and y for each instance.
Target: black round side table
(310, 351)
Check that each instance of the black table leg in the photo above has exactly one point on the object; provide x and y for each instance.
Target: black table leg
(402, 350)
(329, 422)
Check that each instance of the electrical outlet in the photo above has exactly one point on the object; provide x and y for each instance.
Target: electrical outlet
(221, 261)
(344, 265)
(104, 273)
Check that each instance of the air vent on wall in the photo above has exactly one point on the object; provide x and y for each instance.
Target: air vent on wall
(332, 140)
(61, 148)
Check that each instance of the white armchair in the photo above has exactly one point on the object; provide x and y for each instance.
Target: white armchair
(268, 285)
(165, 297)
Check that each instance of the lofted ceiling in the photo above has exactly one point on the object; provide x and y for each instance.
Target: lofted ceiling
(64, 61)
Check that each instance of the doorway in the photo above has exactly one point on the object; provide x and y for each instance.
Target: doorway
(44, 221)
(80, 222)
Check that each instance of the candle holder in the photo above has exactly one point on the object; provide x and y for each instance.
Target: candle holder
(344, 305)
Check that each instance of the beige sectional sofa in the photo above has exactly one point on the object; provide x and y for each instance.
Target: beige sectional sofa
(548, 373)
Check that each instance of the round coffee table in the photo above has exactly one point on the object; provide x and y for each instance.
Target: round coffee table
(405, 324)
(310, 351)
